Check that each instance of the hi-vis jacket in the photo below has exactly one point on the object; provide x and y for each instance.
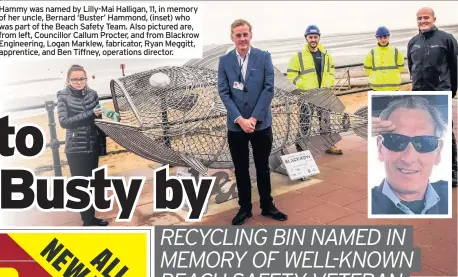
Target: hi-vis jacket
(301, 70)
(384, 66)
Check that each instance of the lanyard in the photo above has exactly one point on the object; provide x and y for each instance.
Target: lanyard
(241, 66)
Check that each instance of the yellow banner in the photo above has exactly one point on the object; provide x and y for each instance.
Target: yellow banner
(87, 254)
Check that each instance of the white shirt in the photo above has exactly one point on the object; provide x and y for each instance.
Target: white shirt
(244, 64)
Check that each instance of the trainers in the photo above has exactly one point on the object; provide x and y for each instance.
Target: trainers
(454, 178)
(334, 150)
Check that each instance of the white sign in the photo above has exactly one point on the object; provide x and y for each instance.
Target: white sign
(180, 172)
(300, 165)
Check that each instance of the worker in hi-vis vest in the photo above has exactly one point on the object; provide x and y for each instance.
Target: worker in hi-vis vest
(312, 68)
(384, 64)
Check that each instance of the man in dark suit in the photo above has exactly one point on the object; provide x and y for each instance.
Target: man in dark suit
(246, 87)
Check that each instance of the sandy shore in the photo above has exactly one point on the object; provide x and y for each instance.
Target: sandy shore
(119, 160)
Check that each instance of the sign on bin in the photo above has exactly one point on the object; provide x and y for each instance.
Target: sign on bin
(300, 165)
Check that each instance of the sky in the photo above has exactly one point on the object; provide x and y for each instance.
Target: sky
(288, 19)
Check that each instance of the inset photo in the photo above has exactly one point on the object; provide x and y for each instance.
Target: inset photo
(410, 154)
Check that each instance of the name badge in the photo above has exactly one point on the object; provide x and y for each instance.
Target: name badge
(238, 85)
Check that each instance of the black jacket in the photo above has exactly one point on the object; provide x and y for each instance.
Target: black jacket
(381, 204)
(75, 113)
(432, 59)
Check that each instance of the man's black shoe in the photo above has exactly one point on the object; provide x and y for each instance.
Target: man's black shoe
(96, 222)
(241, 217)
(275, 214)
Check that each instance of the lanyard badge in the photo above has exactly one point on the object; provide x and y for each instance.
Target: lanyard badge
(240, 85)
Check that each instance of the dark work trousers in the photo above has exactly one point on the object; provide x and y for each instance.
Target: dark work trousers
(261, 142)
(81, 165)
(454, 163)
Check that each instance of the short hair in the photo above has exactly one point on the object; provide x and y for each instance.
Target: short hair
(432, 11)
(240, 22)
(417, 102)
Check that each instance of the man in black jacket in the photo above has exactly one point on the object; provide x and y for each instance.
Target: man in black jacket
(432, 58)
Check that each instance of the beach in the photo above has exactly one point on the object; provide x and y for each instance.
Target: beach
(32, 82)
(26, 87)
(118, 159)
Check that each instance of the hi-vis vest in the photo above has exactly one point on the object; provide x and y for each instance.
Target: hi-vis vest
(301, 70)
(384, 66)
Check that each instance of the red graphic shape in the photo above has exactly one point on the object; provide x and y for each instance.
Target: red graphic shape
(12, 255)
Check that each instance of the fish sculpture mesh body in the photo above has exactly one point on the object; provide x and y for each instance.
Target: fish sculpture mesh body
(181, 120)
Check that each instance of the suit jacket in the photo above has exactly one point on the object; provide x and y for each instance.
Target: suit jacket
(259, 88)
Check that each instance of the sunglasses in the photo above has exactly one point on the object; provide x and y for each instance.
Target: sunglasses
(397, 143)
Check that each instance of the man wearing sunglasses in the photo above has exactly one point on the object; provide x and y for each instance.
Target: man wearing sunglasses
(409, 154)
(384, 63)
(432, 58)
(312, 68)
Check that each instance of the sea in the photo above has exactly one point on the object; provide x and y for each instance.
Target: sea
(31, 83)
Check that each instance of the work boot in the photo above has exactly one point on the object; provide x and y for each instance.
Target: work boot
(334, 150)
(454, 178)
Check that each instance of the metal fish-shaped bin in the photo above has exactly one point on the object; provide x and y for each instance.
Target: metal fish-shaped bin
(174, 115)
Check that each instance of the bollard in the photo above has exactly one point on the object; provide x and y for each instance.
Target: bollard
(54, 142)
(165, 122)
(122, 68)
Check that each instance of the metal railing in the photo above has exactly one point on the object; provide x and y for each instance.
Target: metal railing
(55, 143)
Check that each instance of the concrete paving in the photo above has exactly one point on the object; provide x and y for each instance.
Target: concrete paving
(341, 199)
(337, 196)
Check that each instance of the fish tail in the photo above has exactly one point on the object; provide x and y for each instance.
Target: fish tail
(359, 124)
